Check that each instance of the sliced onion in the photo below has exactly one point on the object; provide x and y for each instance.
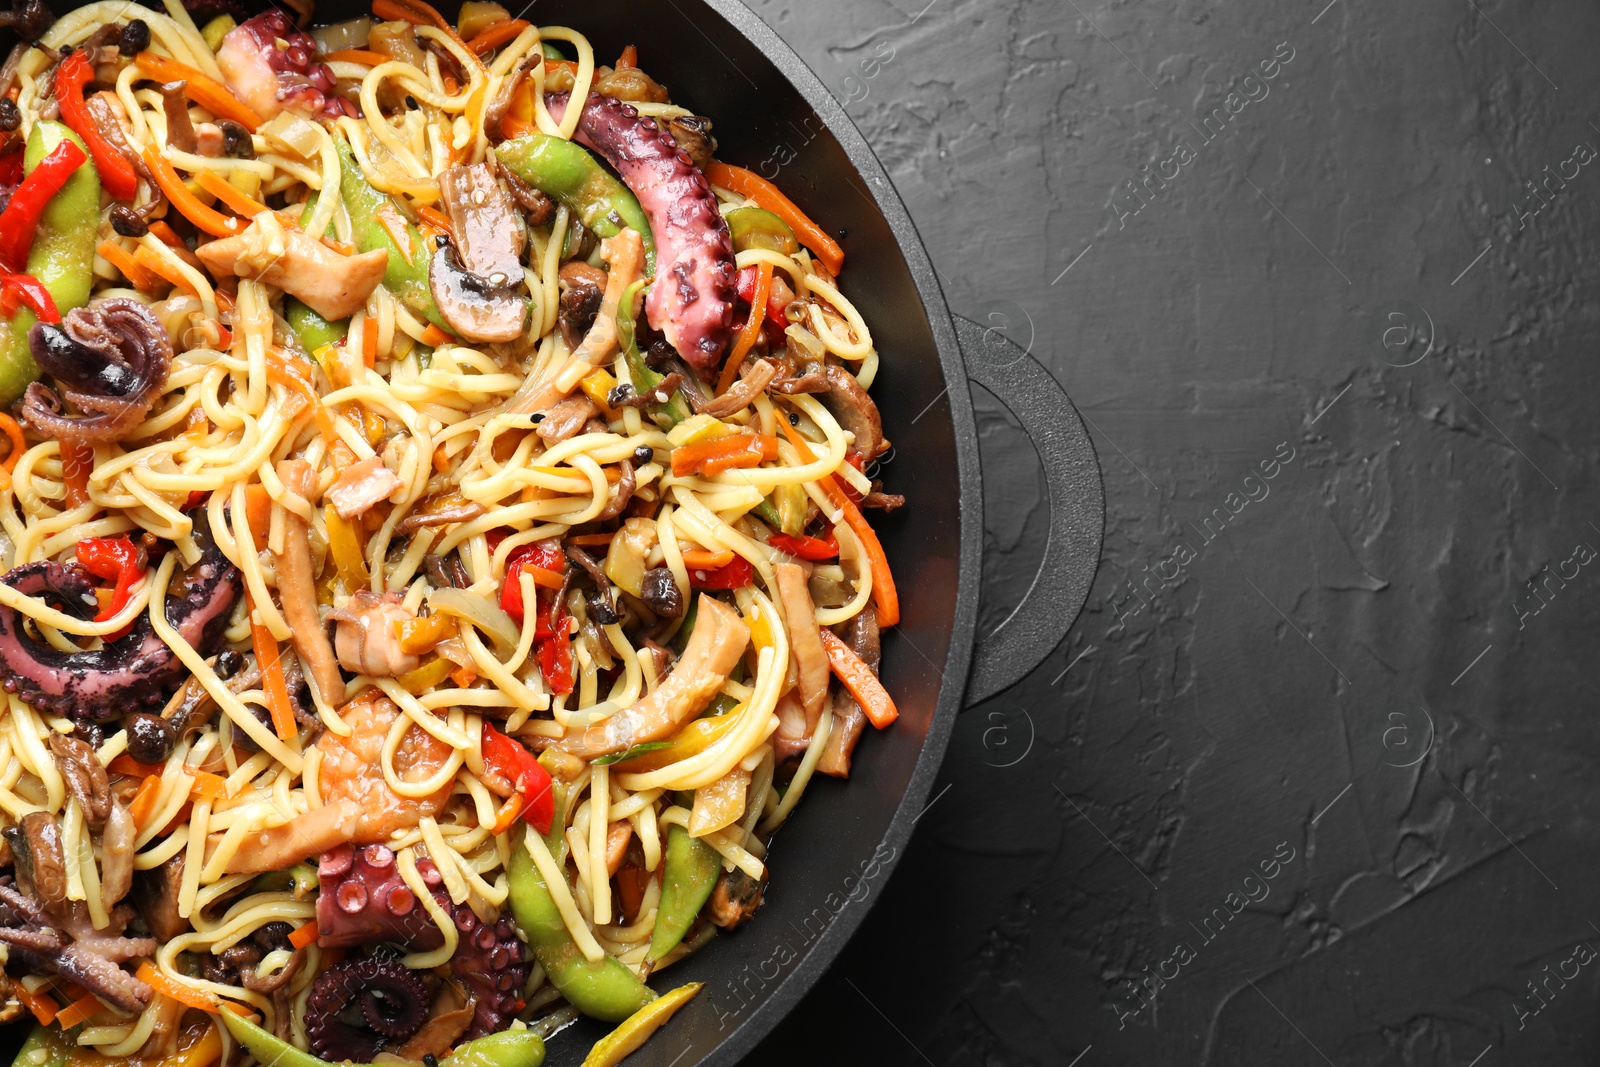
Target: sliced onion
(484, 614)
(342, 35)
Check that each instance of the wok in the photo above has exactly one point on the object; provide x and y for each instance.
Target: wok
(830, 861)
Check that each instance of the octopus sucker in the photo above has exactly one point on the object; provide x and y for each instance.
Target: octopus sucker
(133, 672)
(693, 246)
(364, 901)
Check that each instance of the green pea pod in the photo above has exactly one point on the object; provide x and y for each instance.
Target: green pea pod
(576, 179)
(676, 409)
(45, 1047)
(62, 256)
(313, 330)
(691, 871)
(754, 227)
(508, 1048)
(266, 1046)
(406, 275)
(605, 989)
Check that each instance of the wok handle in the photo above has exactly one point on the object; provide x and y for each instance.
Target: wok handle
(1037, 624)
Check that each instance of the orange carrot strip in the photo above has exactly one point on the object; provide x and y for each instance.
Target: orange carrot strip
(182, 992)
(280, 370)
(257, 512)
(78, 1011)
(144, 801)
(752, 327)
(178, 819)
(421, 14)
(229, 194)
(703, 560)
(358, 55)
(136, 275)
(18, 445)
(591, 539)
(433, 337)
(629, 58)
(369, 341)
(303, 934)
(764, 193)
(77, 461)
(158, 265)
(723, 453)
(266, 647)
(208, 786)
(884, 595)
(495, 35)
(126, 764)
(42, 1005)
(207, 219)
(209, 94)
(344, 248)
(859, 679)
(508, 814)
(547, 579)
(167, 235)
(463, 677)
(435, 218)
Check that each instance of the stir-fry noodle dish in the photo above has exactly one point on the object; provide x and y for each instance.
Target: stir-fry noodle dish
(434, 559)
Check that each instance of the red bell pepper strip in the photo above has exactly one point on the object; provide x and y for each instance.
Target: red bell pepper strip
(11, 168)
(735, 575)
(533, 799)
(814, 549)
(114, 559)
(17, 290)
(540, 556)
(552, 643)
(116, 172)
(21, 217)
(746, 285)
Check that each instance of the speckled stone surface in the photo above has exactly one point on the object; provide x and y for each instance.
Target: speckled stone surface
(1313, 778)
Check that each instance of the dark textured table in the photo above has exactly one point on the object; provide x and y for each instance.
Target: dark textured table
(1312, 780)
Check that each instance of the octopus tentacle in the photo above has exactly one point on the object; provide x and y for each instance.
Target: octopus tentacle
(691, 302)
(392, 1000)
(135, 671)
(363, 900)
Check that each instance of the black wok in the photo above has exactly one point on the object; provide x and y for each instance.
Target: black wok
(830, 861)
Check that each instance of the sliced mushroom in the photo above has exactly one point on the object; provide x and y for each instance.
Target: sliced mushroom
(753, 378)
(582, 288)
(693, 134)
(484, 220)
(565, 419)
(855, 410)
(469, 305)
(174, 102)
(85, 778)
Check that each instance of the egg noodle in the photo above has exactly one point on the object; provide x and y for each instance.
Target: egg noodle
(211, 463)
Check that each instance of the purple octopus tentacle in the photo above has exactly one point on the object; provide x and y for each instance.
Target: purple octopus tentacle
(135, 671)
(692, 299)
(364, 901)
(393, 1003)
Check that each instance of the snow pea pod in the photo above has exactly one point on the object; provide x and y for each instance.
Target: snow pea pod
(690, 873)
(575, 178)
(313, 330)
(266, 1046)
(376, 222)
(604, 989)
(61, 258)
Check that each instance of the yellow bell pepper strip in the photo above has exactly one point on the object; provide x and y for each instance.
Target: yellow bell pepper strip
(208, 93)
(55, 236)
(859, 679)
(637, 1028)
(766, 195)
(884, 595)
(377, 223)
(692, 740)
(605, 989)
(690, 873)
(427, 676)
(116, 171)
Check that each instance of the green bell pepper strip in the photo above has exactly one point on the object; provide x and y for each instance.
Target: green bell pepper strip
(690, 873)
(674, 410)
(62, 256)
(605, 989)
(313, 330)
(576, 179)
(754, 227)
(406, 276)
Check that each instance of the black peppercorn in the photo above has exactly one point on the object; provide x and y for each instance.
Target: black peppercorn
(150, 738)
(643, 454)
(236, 140)
(135, 37)
(229, 663)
